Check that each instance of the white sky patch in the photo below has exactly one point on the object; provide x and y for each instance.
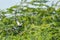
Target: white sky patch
(8, 3)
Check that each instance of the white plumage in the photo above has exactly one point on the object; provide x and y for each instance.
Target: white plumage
(19, 24)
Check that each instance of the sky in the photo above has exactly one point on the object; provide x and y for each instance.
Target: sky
(8, 3)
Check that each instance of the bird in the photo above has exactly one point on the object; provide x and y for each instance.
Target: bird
(18, 23)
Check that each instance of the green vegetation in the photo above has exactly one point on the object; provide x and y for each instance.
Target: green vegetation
(39, 22)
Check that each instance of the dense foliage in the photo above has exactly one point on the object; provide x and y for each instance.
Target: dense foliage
(39, 22)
